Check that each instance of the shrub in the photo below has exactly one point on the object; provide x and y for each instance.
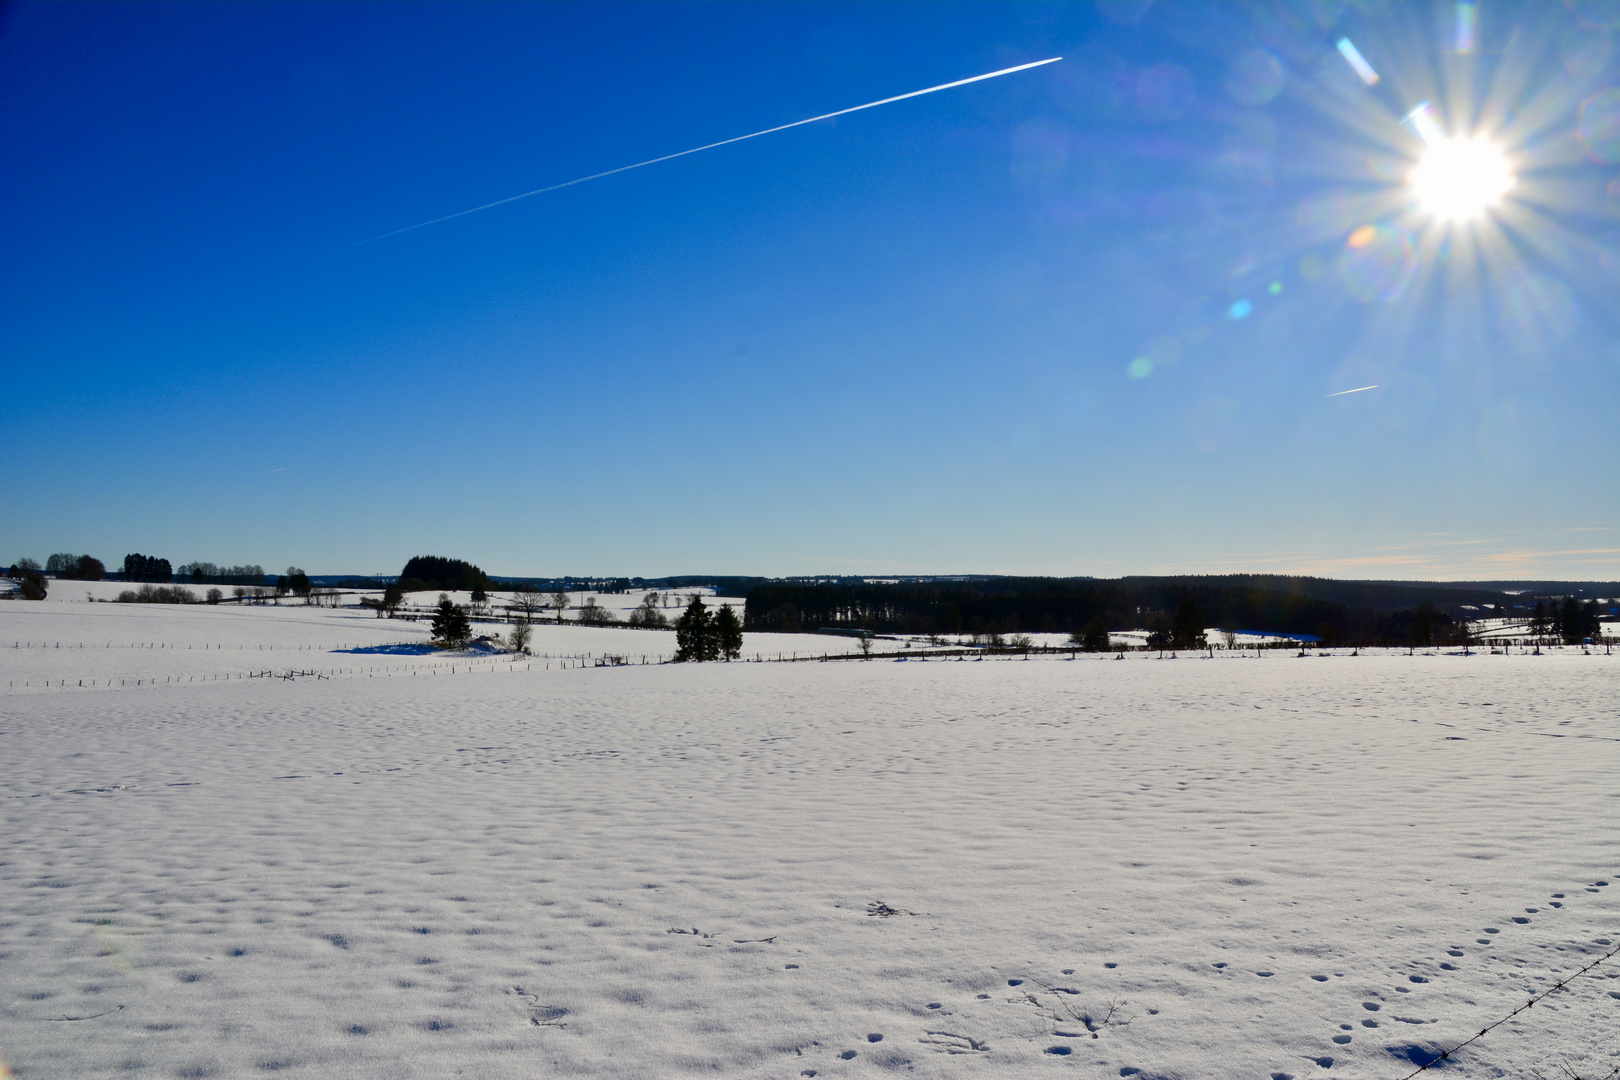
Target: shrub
(33, 586)
(215, 596)
(158, 594)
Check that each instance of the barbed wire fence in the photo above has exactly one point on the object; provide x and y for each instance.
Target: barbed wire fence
(1488, 1028)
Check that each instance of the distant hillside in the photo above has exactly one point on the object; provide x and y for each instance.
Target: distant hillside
(1323, 607)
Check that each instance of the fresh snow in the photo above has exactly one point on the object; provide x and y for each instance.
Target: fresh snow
(1234, 867)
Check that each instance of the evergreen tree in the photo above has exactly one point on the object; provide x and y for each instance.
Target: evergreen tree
(1571, 626)
(694, 634)
(450, 623)
(1187, 631)
(1538, 619)
(1094, 638)
(1424, 622)
(728, 635)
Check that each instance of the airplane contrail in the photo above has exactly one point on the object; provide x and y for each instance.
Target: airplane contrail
(1357, 390)
(710, 146)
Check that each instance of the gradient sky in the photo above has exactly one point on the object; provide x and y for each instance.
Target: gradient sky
(993, 329)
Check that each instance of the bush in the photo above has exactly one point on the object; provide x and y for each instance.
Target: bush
(215, 596)
(158, 594)
(33, 586)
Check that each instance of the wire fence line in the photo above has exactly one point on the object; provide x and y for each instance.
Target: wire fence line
(1482, 1032)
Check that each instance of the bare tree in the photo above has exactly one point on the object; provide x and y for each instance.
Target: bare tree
(648, 614)
(527, 602)
(518, 639)
(593, 615)
(559, 600)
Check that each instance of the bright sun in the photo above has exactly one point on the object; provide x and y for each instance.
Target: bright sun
(1460, 179)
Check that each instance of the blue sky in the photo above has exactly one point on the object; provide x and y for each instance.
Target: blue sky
(1081, 319)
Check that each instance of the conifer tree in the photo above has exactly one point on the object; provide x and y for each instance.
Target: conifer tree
(694, 634)
(450, 623)
(1187, 631)
(728, 635)
(1095, 636)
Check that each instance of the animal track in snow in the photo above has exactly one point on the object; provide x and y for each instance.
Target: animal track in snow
(540, 1015)
(949, 1042)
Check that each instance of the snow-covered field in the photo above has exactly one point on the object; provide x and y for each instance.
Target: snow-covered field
(65, 641)
(1229, 867)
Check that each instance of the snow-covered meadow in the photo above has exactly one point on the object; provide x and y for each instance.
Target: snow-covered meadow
(1246, 866)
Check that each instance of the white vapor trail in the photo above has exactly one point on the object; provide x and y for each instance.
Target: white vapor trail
(710, 146)
(1357, 390)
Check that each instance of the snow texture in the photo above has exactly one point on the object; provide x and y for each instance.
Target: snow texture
(1243, 866)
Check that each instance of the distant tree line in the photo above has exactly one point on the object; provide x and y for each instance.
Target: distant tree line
(1570, 621)
(206, 573)
(1013, 605)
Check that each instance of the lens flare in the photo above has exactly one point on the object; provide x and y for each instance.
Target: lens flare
(1353, 57)
(1460, 179)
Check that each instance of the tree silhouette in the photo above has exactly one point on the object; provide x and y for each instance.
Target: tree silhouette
(694, 634)
(1187, 629)
(728, 635)
(450, 623)
(1094, 638)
